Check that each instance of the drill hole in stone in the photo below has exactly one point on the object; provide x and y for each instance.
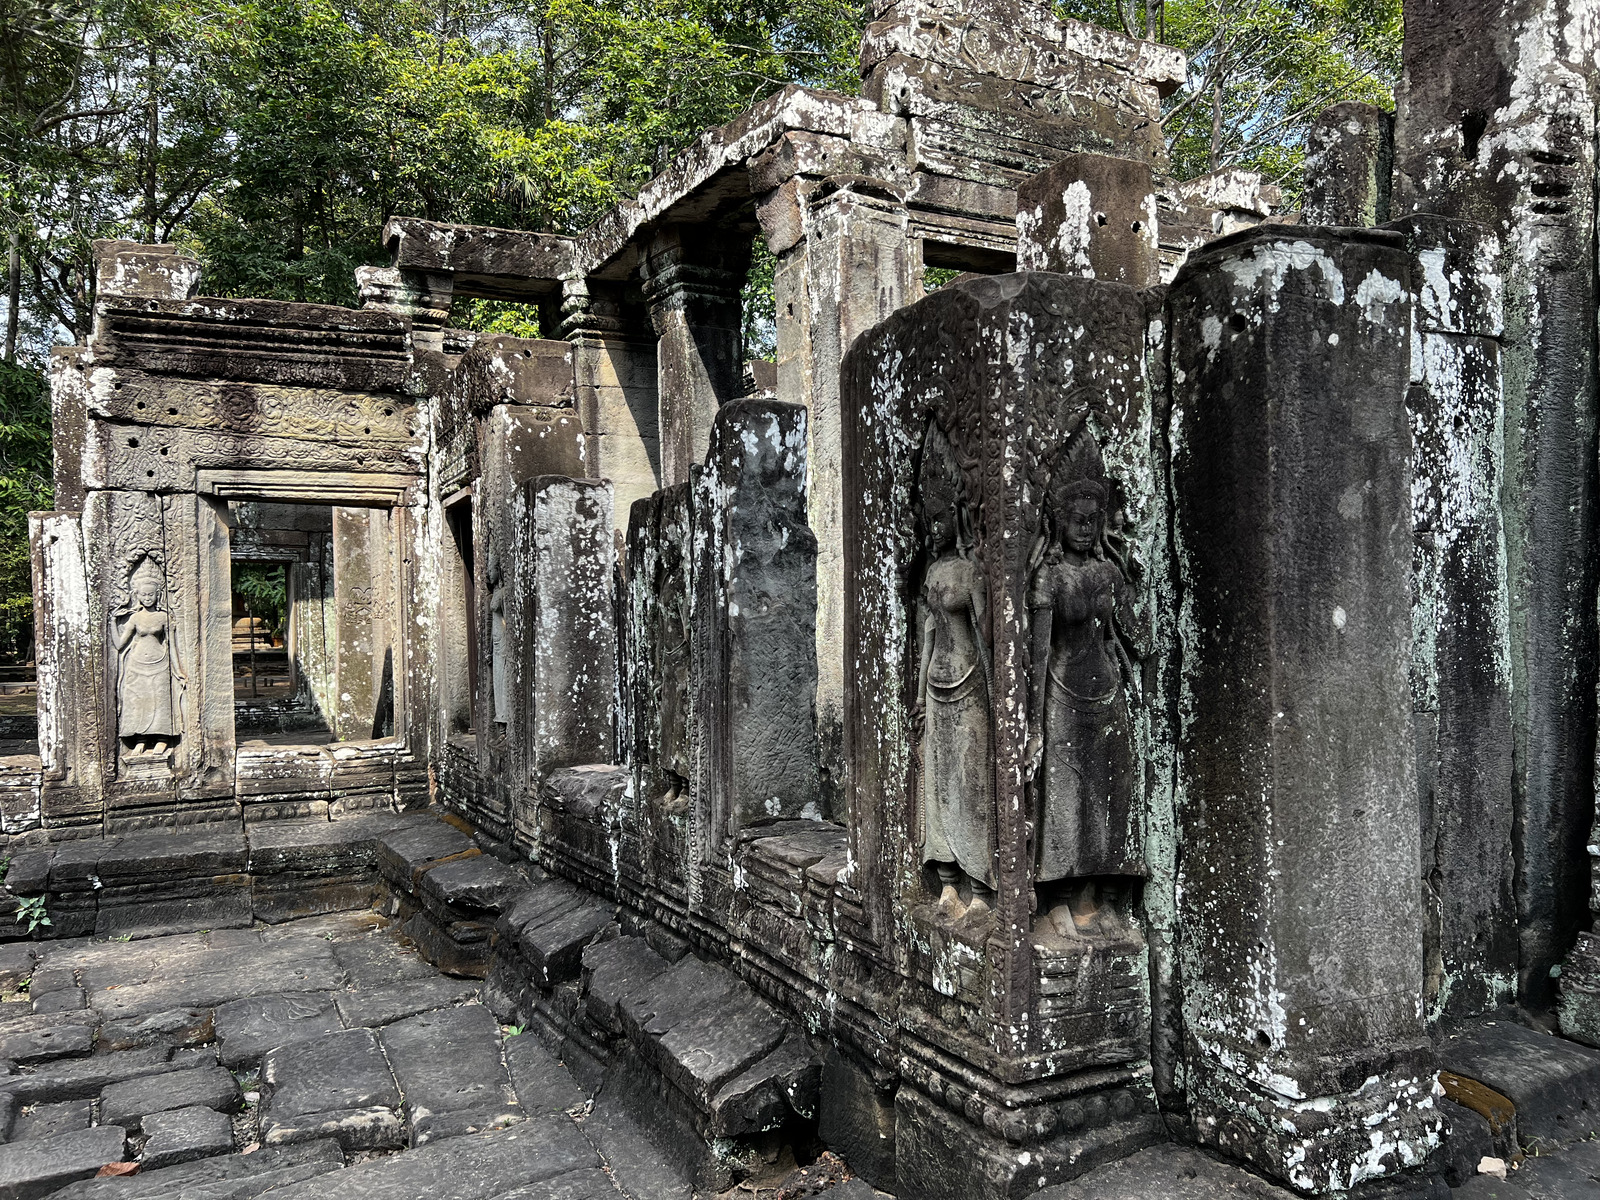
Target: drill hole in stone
(1101, 219)
(1237, 322)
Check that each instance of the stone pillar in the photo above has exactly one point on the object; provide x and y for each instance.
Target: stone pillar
(614, 364)
(1299, 904)
(565, 633)
(364, 621)
(1495, 123)
(1090, 215)
(755, 600)
(1461, 670)
(997, 824)
(692, 280)
(1349, 166)
(859, 266)
(72, 740)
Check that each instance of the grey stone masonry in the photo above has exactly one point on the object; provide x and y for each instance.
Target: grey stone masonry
(1299, 901)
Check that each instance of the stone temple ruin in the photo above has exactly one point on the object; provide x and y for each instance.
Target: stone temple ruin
(1140, 694)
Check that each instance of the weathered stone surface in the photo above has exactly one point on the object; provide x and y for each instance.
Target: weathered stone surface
(60, 1000)
(337, 1085)
(701, 1026)
(16, 958)
(451, 1071)
(129, 1102)
(225, 1177)
(403, 852)
(184, 1134)
(633, 1160)
(613, 969)
(247, 1029)
(464, 1168)
(542, 1084)
(575, 1185)
(1349, 166)
(376, 962)
(479, 884)
(1468, 1140)
(77, 1079)
(39, 1167)
(1172, 1172)
(552, 923)
(1093, 216)
(71, 1040)
(1268, 561)
(47, 1120)
(857, 1120)
(176, 1026)
(1554, 1083)
(381, 1005)
(771, 1092)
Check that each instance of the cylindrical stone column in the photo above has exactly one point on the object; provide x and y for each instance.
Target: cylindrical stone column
(1299, 908)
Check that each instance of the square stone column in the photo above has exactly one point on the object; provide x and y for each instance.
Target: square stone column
(855, 266)
(614, 365)
(1299, 905)
(692, 280)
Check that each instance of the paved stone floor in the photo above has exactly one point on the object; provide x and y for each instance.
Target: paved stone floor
(322, 1059)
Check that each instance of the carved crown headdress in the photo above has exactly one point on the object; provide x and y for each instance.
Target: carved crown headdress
(148, 571)
(939, 478)
(1078, 471)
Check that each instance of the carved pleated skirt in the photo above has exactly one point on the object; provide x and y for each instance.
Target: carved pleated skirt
(1087, 823)
(958, 778)
(145, 690)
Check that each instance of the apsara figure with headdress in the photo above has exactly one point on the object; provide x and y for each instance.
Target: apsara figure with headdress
(952, 700)
(1080, 750)
(147, 682)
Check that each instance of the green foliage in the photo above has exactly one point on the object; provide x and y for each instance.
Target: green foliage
(31, 912)
(25, 486)
(1259, 73)
(264, 592)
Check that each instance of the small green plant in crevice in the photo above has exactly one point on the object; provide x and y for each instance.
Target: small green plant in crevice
(30, 912)
(512, 1031)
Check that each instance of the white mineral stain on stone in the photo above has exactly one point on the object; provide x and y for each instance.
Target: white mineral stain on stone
(1375, 293)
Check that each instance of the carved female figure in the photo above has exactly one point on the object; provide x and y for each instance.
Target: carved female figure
(499, 680)
(952, 700)
(1080, 750)
(146, 679)
(672, 650)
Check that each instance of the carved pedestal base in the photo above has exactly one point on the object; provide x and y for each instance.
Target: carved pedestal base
(1385, 1127)
(939, 1154)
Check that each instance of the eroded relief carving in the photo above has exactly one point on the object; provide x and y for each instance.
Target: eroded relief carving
(149, 684)
(499, 683)
(672, 647)
(952, 704)
(1080, 753)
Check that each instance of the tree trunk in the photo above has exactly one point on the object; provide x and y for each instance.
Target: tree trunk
(1215, 156)
(152, 136)
(13, 293)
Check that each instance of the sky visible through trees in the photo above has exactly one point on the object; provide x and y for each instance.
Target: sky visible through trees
(273, 137)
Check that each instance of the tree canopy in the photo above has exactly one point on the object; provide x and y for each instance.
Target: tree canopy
(275, 136)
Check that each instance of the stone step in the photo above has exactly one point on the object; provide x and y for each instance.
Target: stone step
(550, 925)
(452, 1073)
(1554, 1083)
(542, 1084)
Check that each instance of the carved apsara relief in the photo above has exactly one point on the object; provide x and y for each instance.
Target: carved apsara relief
(952, 709)
(150, 685)
(499, 649)
(673, 648)
(1080, 754)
